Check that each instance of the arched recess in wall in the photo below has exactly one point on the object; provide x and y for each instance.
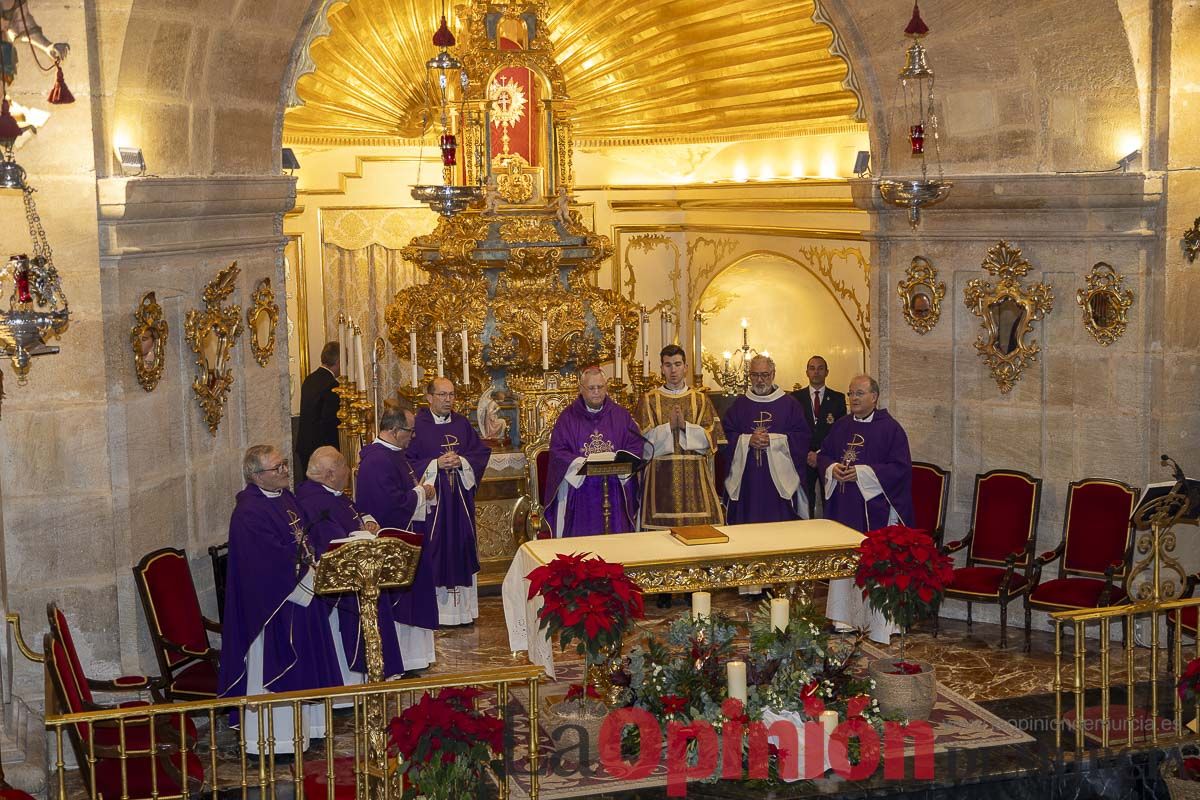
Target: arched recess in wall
(792, 314)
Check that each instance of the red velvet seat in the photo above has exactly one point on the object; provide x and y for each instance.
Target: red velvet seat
(537, 456)
(1093, 555)
(930, 490)
(178, 629)
(998, 544)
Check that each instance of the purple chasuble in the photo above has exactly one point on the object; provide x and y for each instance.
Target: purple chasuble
(758, 497)
(883, 448)
(335, 517)
(384, 490)
(450, 545)
(578, 432)
(264, 569)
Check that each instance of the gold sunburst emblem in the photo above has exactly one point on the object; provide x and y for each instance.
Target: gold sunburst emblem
(508, 102)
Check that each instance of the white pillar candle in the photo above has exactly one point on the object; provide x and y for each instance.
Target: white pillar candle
(351, 354)
(829, 721)
(664, 322)
(412, 355)
(437, 343)
(735, 672)
(343, 348)
(745, 332)
(701, 605)
(697, 346)
(779, 613)
(645, 343)
(617, 355)
(545, 345)
(466, 358)
(358, 351)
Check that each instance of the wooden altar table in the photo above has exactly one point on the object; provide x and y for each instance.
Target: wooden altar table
(756, 554)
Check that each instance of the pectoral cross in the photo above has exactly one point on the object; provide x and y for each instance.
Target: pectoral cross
(763, 423)
(851, 453)
(304, 551)
(451, 443)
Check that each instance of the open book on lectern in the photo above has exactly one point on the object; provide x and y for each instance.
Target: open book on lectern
(612, 463)
(1156, 491)
(395, 533)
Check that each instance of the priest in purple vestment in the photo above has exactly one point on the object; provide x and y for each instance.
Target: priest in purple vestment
(868, 485)
(447, 452)
(594, 423)
(276, 635)
(389, 489)
(767, 435)
(333, 515)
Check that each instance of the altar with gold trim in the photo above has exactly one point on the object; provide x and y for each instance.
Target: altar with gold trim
(765, 553)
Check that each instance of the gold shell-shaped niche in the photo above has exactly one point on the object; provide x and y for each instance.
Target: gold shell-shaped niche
(638, 71)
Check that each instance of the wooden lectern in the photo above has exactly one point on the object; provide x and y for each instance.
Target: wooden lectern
(365, 566)
(622, 464)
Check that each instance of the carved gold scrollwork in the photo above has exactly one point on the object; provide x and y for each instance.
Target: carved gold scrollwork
(514, 183)
(657, 578)
(211, 334)
(1008, 311)
(528, 229)
(148, 339)
(1105, 303)
(262, 317)
(921, 295)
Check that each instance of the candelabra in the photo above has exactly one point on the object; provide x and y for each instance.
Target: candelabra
(732, 372)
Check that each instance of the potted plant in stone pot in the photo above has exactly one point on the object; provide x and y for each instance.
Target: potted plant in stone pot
(591, 603)
(903, 575)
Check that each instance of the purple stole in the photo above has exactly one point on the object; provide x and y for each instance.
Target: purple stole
(882, 445)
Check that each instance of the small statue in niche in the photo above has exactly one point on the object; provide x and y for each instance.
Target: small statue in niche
(491, 195)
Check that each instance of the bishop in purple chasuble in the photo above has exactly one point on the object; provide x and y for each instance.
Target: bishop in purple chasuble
(576, 507)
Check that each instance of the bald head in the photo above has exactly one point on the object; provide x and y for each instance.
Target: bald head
(328, 467)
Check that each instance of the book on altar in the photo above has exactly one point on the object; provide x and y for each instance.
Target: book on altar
(699, 534)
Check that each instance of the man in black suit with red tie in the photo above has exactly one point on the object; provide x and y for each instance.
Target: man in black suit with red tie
(824, 407)
(319, 407)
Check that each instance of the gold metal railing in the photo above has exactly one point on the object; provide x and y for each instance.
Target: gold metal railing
(125, 768)
(1137, 675)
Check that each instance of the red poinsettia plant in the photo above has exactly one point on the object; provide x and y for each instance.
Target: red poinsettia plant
(903, 574)
(1189, 682)
(446, 745)
(585, 600)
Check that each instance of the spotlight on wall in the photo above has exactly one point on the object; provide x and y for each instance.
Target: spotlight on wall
(289, 160)
(1124, 163)
(132, 161)
(862, 163)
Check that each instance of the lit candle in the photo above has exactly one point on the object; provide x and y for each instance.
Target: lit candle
(727, 355)
(829, 721)
(617, 355)
(466, 359)
(412, 355)
(779, 613)
(545, 345)
(745, 332)
(437, 343)
(645, 343)
(701, 605)
(358, 352)
(349, 367)
(735, 672)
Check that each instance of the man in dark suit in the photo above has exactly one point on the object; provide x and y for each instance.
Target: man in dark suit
(824, 406)
(319, 407)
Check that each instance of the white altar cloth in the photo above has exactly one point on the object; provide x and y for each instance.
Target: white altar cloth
(658, 549)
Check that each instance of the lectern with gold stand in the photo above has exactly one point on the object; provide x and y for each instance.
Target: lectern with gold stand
(364, 566)
(622, 466)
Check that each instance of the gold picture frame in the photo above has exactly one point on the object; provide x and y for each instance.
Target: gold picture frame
(212, 334)
(921, 295)
(1105, 303)
(148, 340)
(1007, 312)
(261, 320)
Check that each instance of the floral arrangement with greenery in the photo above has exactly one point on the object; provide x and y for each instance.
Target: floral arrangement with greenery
(447, 747)
(585, 600)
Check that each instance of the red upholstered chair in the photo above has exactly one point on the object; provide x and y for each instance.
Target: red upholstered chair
(178, 629)
(930, 490)
(1093, 556)
(537, 457)
(1188, 618)
(999, 543)
(145, 771)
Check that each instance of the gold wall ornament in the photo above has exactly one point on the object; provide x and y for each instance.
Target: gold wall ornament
(921, 295)
(1191, 241)
(262, 318)
(148, 339)
(1008, 311)
(514, 183)
(211, 333)
(1105, 303)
